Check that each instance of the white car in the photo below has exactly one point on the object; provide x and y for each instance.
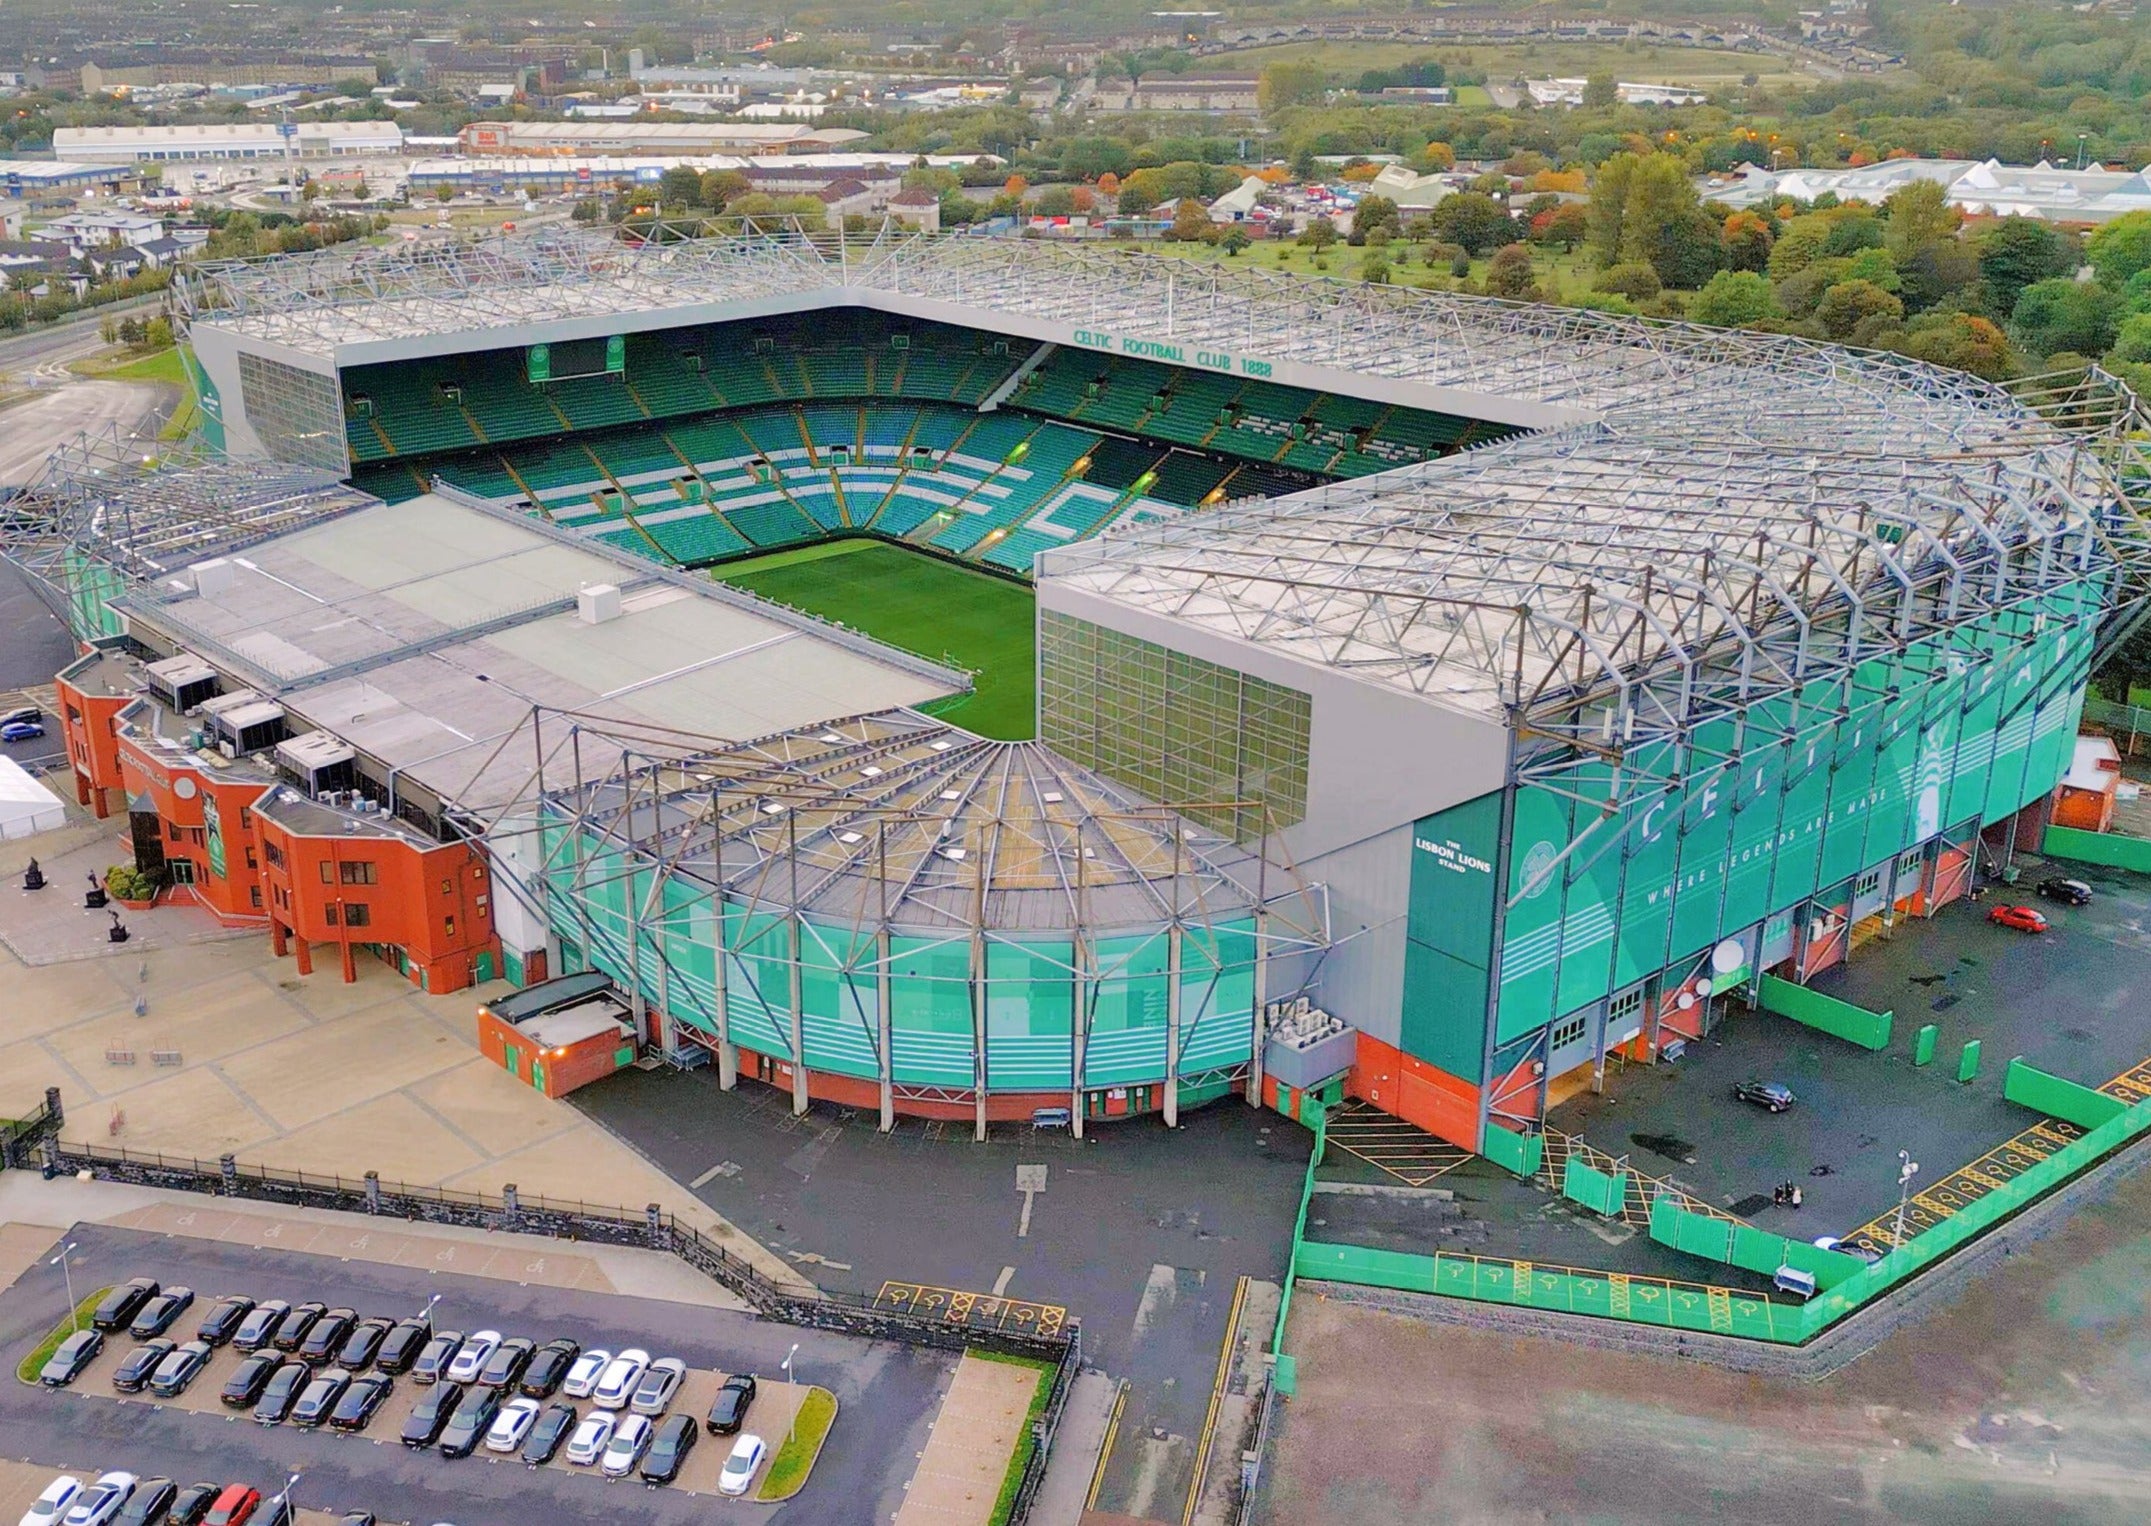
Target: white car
(739, 1468)
(621, 1377)
(53, 1503)
(511, 1425)
(587, 1445)
(583, 1375)
(102, 1500)
(630, 1439)
(658, 1385)
(470, 1358)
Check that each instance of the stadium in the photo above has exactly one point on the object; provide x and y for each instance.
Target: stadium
(979, 679)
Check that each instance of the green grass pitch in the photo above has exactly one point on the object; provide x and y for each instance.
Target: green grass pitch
(924, 605)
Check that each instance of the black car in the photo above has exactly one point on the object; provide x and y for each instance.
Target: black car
(177, 1372)
(400, 1347)
(728, 1411)
(467, 1426)
(1771, 1096)
(243, 1388)
(423, 1427)
(259, 1326)
(440, 1349)
(123, 1303)
(291, 1329)
(363, 1344)
(676, 1435)
(549, 1433)
(507, 1362)
(156, 1316)
(75, 1353)
(149, 1505)
(193, 1503)
(356, 1518)
(549, 1365)
(132, 1374)
(326, 1334)
(2068, 892)
(318, 1399)
(281, 1392)
(355, 1410)
(223, 1320)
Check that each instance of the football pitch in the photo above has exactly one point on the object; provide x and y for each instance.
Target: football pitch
(924, 605)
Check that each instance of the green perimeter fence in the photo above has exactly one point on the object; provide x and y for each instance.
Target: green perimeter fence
(1844, 1282)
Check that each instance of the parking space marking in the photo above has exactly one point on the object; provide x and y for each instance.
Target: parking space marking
(984, 1311)
(1389, 1144)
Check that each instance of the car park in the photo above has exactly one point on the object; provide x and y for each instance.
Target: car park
(739, 1467)
(470, 1359)
(1771, 1096)
(156, 1316)
(259, 1326)
(511, 1426)
(630, 1439)
(622, 1375)
(728, 1411)
(2068, 892)
(52, 1504)
(355, 1410)
(149, 1505)
(326, 1334)
(193, 1504)
(177, 1372)
(440, 1349)
(548, 1368)
(223, 1320)
(506, 1363)
(133, 1373)
(588, 1443)
(460, 1436)
(422, 1427)
(101, 1501)
(234, 1507)
(363, 1344)
(243, 1388)
(123, 1303)
(291, 1329)
(675, 1438)
(75, 1353)
(318, 1399)
(281, 1392)
(549, 1432)
(660, 1381)
(584, 1372)
(2024, 919)
(406, 1338)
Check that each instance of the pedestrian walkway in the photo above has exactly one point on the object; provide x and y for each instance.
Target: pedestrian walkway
(1064, 1493)
(959, 1476)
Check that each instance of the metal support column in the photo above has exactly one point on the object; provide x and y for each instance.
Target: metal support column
(1172, 1026)
(727, 1051)
(884, 1029)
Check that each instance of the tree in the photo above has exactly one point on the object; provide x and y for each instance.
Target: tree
(720, 188)
(2062, 314)
(1600, 91)
(1191, 223)
(1511, 274)
(1638, 282)
(1562, 227)
(1686, 249)
(1318, 235)
(1097, 158)
(1373, 269)
(1053, 201)
(1435, 159)
(1475, 221)
(1234, 240)
(2121, 249)
(1282, 85)
(1734, 299)
(1376, 213)
(681, 187)
(1851, 306)
(2018, 252)
(157, 334)
(1915, 216)
(1963, 341)
(1799, 244)
(444, 194)
(1935, 272)
(1015, 185)
(1748, 241)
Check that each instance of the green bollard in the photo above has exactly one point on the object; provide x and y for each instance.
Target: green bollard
(1968, 1066)
(1923, 1044)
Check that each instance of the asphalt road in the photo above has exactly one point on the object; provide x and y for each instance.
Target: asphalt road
(886, 1394)
(42, 353)
(31, 428)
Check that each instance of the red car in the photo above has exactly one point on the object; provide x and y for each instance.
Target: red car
(235, 1506)
(2022, 918)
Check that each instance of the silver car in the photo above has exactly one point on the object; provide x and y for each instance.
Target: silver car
(653, 1395)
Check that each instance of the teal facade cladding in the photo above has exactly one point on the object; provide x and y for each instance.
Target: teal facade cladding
(1449, 935)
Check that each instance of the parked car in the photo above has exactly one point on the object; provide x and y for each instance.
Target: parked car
(630, 1439)
(24, 713)
(591, 1437)
(460, 1436)
(156, 1316)
(101, 1501)
(363, 1344)
(234, 1507)
(406, 1338)
(675, 1438)
(281, 1392)
(123, 1303)
(292, 1328)
(133, 1373)
(223, 1320)
(440, 1349)
(53, 1503)
(728, 1411)
(355, 1410)
(2023, 918)
(243, 1388)
(193, 1504)
(75, 1353)
(326, 1334)
(1771, 1096)
(548, 1432)
(621, 1378)
(511, 1425)
(584, 1372)
(2068, 892)
(22, 731)
(177, 1372)
(740, 1466)
(318, 1399)
(423, 1426)
(506, 1363)
(149, 1505)
(259, 1326)
(477, 1349)
(653, 1395)
(548, 1368)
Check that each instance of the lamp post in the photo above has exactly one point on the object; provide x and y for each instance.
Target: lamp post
(67, 1270)
(291, 1511)
(2082, 143)
(1907, 1168)
(791, 1392)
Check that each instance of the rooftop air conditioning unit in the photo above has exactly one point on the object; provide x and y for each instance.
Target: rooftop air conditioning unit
(597, 603)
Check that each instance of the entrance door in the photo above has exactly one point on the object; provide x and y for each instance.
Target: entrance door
(537, 1073)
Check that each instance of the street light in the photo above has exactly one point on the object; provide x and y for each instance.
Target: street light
(427, 1311)
(67, 1270)
(791, 1391)
(290, 1511)
(2081, 140)
(1907, 1168)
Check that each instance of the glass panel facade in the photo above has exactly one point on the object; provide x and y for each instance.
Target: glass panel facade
(1172, 727)
(298, 415)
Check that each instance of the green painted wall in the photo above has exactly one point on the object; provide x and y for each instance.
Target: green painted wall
(2108, 848)
(1450, 935)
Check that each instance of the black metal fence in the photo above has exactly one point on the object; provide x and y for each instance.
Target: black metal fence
(19, 1140)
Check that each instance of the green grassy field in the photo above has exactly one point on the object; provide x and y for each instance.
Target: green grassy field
(1641, 63)
(164, 367)
(924, 605)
